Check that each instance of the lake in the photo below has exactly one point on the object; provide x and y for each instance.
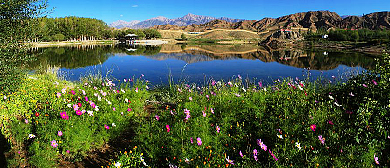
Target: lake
(197, 63)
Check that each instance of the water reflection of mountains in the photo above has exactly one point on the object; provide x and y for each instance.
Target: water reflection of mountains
(78, 57)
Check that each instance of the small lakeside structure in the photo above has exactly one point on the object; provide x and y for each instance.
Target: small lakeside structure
(128, 39)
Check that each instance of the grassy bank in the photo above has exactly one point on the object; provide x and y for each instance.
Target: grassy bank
(50, 122)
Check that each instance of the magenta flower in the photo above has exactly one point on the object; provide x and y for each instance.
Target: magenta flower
(373, 81)
(276, 159)
(78, 112)
(86, 98)
(191, 140)
(212, 110)
(321, 139)
(313, 127)
(229, 161)
(168, 128)
(129, 109)
(218, 129)
(255, 154)
(59, 133)
(64, 115)
(330, 122)
(364, 85)
(67, 151)
(114, 109)
(72, 91)
(26, 121)
(92, 104)
(136, 89)
(213, 82)
(157, 117)
(199, 141)
(106, 126)
(54, 143)
(204, 114)
(260, 84)
(241, 154)
(261, 144)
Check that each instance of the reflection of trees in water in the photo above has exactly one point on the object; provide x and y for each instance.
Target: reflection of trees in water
(83, 56)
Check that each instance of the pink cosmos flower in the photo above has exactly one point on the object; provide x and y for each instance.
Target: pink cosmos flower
(136, 89)
(213, 82)
(86, 98)
(255, 154)
(260, 84)
(313, 127)
(78, 112)
(373, 81)
(92, 104)
(129, 109)
(157, 117)
(204, 114)
(72, 91)
(114, 109)
(199, 141)
(26, 121)
(67, 151)
(191, 140)
(168, 128)
(54, 143)
(261, 144)
(364, 85)
(173, 113)
(229, 161)
(59, 133)
(376, 160)
(190, 98)
(58, 94)
(207, 96)
(64, 115)
(321, 139)
(106, 126)
(241, 154)
(330, 122)
(75, 107)
(239, 76)
(276, 159)
(218, 129)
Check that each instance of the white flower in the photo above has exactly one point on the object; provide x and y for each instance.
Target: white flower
(117, 164)
(113, 124)
(265, 89)
(99, 98)
(298, 145)
(187, 160)
(5, 97)
(126, 100)
(69, 105)
(338, 105)
(31, 136)
(83, 92)
(299, 87)
(280, 136)
(96, 108)
(63, 90)
(143, 161)
(95, 94)
(244, 89)
(331, 97)
(147, 87)
(108, 102)
(123, 91)
(90, 113)
(56, 83)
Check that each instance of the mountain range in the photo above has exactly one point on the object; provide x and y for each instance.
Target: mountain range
(186, 20)
(312, 20)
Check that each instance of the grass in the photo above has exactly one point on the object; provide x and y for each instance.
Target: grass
(233, 123)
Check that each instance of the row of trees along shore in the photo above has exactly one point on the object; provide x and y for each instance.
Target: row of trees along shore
(80, 29)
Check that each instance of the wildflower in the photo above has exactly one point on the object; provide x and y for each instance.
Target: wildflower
(173, 113)
(207, 96)
(187, 112)
(58, 95)
(136, 89)
(280, 136)
(330, 122)
(276, 159)
(321, 139)
(63, 90)
(108, 102)
(117, 164)
(75, 107)
(260, 84)
(124, 80)
(239, 76)
(261, 144)
(351, 94)
(187, 160)
(338, 105)
(190, 98)
(191, 140)
(213, 82)
(126, 100)
(78, 112)
(238, 95)
(364, 85)
(72, 91)
(376, 159)
(26, 121)
(113, 109)
(129, 109)
(313, 127)
(54, 143)
(241, 154)
(349, 112)
(178, 89)
(199, 141)
(373, 81)
(59, 133)
(64, 115)
(229, 161)
(106, 126)
(123, 91)
(36, 114)
(218, 129)
(157, 117)
(255, 154)
(172, 165)
(243, 89)
(212, 110)
(92, 104)
(31, 136)
(90, 113)
(113, 124)
(147, 87)
(331, 97)
(204, 114)
(298, 145)
(67, 151)
(168, 128)
(83, 92)
(86, 98)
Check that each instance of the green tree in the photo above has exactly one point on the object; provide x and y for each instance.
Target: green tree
(183, 37)
(17, 20)
(59, 37)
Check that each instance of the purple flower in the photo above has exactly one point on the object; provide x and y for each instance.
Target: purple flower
(86, 98)
(106, 126)
(276, 159)
(255, 154)
(238, 95)
(114, 109)
(59, 133)
(321, 139)
(218, 129)
(241, 154)
(168, 128)
(213, 82)
(191, 140)
(261, 144)
(54, 143)
(373, 81)
(157, 117)
(330, 122)
(199, 141)
(229, 161)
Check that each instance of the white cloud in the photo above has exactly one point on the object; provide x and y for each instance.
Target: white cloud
(121, 15)
(134, 6)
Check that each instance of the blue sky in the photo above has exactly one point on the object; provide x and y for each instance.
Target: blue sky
(112, 10)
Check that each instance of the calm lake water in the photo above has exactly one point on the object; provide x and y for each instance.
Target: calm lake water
(197, 63)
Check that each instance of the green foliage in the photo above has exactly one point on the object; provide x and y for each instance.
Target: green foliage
(151, 33)
(58, 37)
(183, 37)
(365, 35)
